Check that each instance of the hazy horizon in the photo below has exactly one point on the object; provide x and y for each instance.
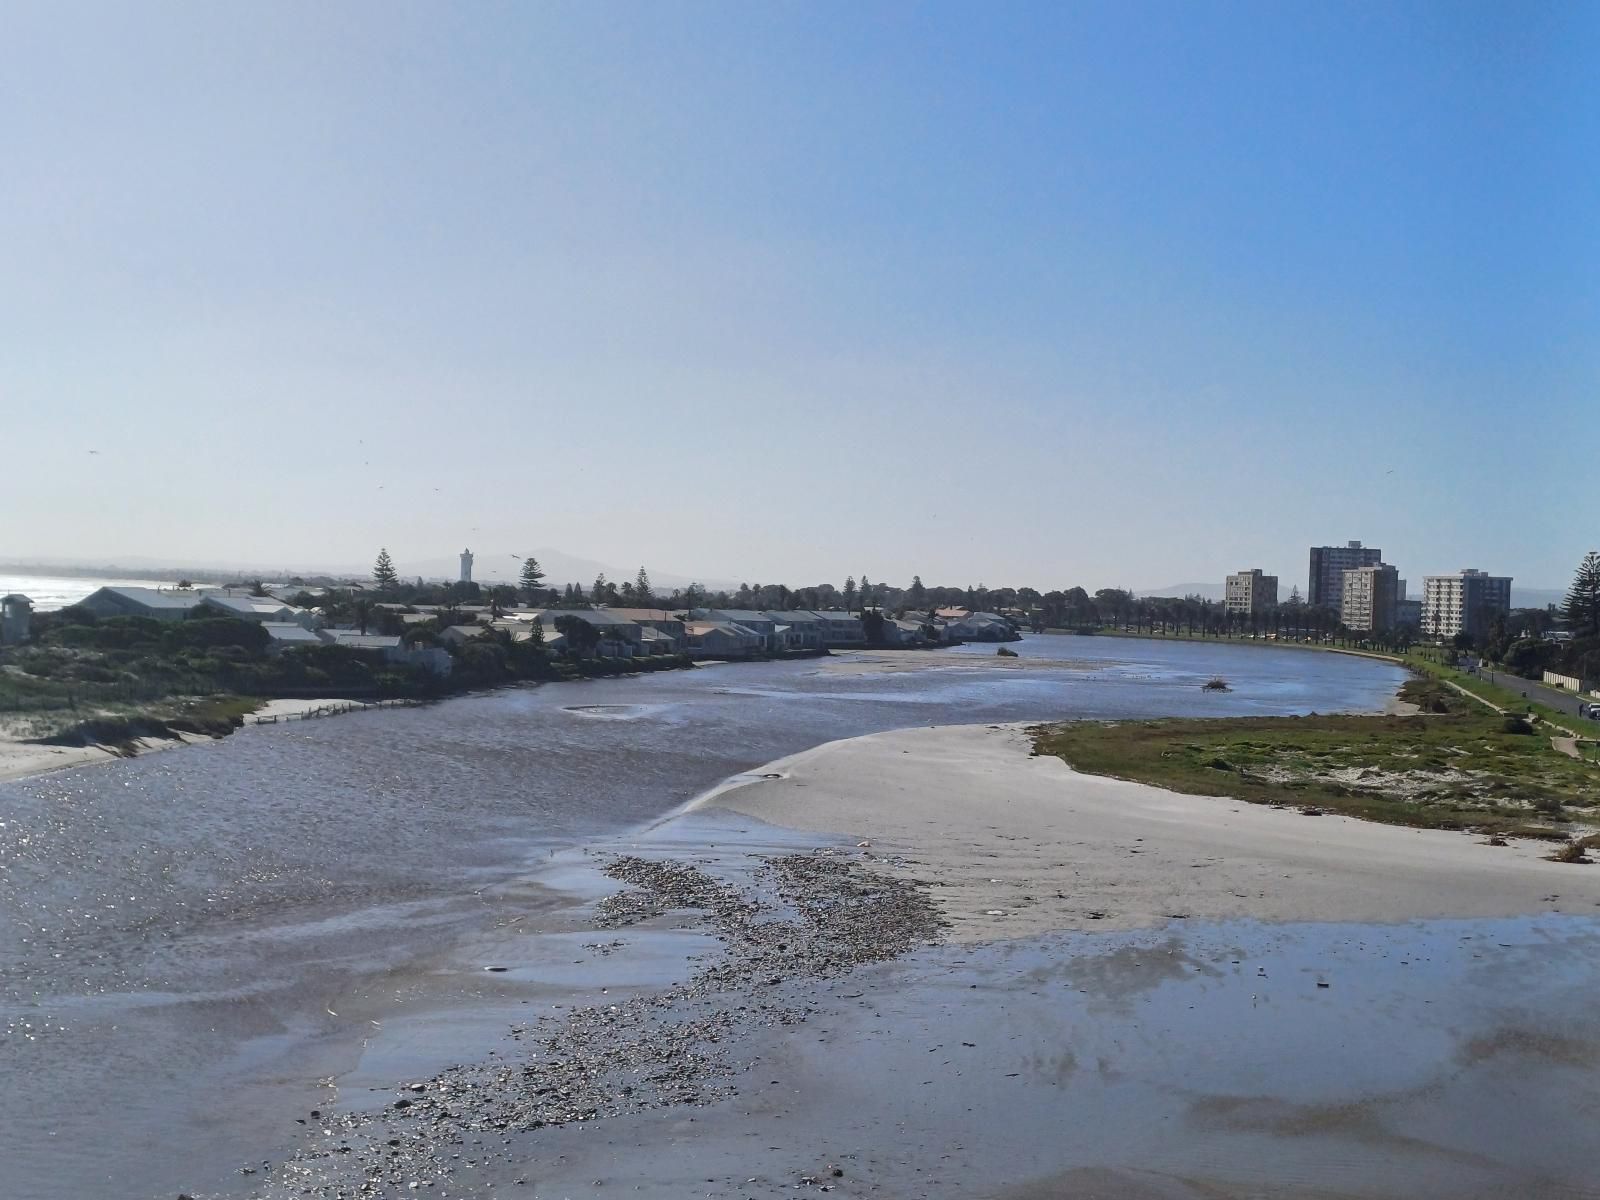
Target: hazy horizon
(1042, 295)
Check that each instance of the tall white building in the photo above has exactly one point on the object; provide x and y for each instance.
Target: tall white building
(466, 566)
(1371, 598)
(1464, 602)
(1250, 591)
(1328, 565)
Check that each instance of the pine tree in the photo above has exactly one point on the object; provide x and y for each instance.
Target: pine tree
(532, 580)
(866, 593)
(1582, 609)
(849, 592)
(642, 595)
(597, 593)
(536, 634)
(918, 594)
(384, 577)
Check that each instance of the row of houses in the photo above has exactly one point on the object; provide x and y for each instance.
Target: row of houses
(287, 626)
(174, 604)
(618, 632)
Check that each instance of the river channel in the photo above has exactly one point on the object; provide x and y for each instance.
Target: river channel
(176, 930)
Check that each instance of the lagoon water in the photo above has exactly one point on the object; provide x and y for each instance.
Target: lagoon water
(176, 931)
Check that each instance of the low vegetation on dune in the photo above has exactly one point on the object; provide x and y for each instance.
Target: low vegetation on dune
(1454, 765)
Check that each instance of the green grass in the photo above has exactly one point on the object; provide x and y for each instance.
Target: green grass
(1499, 695)
(1453, 769)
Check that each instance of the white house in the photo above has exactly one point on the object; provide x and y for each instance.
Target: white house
(982, 627)
(763, 625)
(432, 658)
(806, 630)
(663, 622)
(722, 639)
(842, 629)
(259, 609)
(286, 634)
(903, 633)
(619, 637)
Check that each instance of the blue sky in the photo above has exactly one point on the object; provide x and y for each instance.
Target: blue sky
(1048, 294)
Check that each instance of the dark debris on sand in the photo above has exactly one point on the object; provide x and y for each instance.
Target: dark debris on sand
(804, 917)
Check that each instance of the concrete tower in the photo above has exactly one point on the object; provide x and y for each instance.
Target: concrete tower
(466, 566)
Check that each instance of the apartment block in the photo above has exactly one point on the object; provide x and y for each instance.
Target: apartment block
(1463, 603)
(1250, 592)
(1328, 565)
(1370, 599)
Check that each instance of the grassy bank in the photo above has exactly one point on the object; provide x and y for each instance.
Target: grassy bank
(121, 726)
(1458, 767)
(1499, 695)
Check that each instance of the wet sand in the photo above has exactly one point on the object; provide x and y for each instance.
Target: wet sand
(20, 758)
(1018, 845)
(693, 1047)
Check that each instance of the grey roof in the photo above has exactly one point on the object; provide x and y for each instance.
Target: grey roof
(154, 597)
(794, 615)
(592, 616)
(288, 631)
(741, 614)
(361, 641)
(250, 605)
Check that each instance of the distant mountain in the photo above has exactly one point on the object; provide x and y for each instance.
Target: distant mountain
(559, 569)
(1536, 597)
(501, 567)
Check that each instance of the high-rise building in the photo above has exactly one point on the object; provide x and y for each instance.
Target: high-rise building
(1370, 600)
(1250, 592)
(1464, 602)
(1328, 565)
(466, 566)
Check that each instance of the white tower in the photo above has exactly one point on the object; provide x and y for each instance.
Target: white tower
(466, 566)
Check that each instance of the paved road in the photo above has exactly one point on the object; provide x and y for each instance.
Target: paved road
(1554, 697)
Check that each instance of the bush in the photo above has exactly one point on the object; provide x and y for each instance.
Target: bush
(1515, 723)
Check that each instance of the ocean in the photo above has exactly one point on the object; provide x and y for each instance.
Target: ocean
(49, 592)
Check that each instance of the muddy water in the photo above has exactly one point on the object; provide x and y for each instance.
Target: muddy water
(180, 935)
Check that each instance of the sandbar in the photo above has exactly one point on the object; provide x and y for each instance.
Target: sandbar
(1016, 845)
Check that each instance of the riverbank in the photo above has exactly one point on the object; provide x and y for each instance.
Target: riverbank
(1021, 844)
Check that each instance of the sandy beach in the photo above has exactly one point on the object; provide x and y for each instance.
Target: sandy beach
(1017, 845)
(22, 757)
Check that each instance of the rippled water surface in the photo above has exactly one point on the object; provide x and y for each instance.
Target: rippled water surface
(175, 930)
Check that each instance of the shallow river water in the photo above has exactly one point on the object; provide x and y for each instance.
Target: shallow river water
(176, 931)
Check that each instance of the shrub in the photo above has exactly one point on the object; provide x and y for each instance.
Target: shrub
(1515, 723)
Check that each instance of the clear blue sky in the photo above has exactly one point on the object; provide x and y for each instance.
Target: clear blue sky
(1048, 294)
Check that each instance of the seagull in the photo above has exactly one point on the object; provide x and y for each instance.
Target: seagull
(94, 452)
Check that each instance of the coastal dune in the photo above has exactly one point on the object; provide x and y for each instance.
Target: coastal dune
(1016, 845)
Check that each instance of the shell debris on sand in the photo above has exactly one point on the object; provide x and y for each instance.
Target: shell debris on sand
(803, 917)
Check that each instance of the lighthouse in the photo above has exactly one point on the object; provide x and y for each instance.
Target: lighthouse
(466, 566)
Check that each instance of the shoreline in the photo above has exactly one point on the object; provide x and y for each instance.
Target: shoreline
(1018, 844)
(25, 758)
